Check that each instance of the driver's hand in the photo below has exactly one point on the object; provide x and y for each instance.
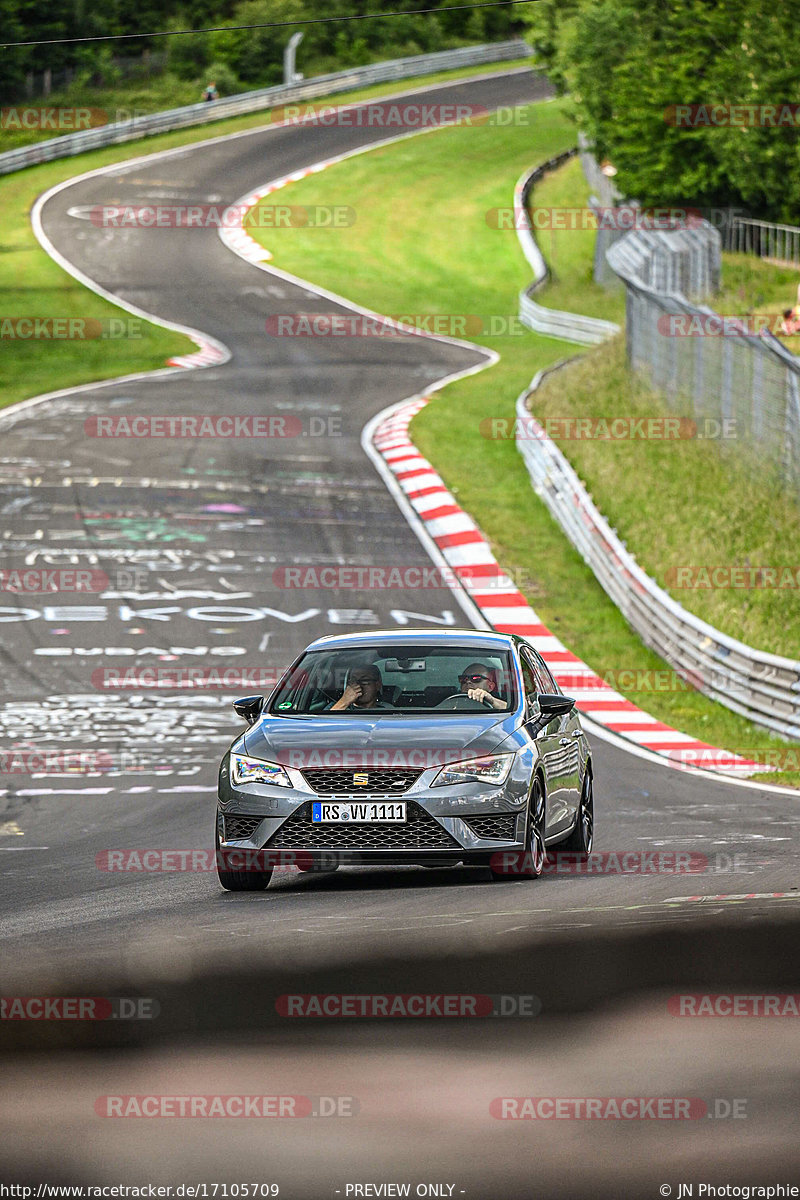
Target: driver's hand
(485, 697)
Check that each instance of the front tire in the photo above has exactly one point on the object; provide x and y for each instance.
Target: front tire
(527, 864)
(581, 839)
(239, 880)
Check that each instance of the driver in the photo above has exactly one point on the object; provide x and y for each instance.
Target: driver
(363, 690)
(479, 682)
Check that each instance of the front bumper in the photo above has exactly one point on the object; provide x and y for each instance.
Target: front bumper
(465, 822)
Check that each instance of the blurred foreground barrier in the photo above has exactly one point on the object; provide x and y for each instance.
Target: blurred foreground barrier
(246, 996)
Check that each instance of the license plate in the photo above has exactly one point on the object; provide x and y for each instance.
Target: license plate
(324, 812)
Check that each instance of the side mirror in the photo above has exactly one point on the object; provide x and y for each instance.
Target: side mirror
(249, 708)
(551, 704)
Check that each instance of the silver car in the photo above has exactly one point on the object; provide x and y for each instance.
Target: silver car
(415, 747)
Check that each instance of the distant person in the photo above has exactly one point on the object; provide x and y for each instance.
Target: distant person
(790, 325)
(363, 690)
(211, 92)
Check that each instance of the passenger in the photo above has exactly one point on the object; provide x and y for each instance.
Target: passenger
(363, 690)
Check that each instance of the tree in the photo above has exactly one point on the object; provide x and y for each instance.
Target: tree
(628, 65)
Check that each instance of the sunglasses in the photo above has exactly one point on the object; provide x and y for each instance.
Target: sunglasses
(472, 678)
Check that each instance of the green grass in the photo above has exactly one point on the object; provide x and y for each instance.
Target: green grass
(167, 91)
(421, 239)
(32, 285)
(751, 286)
(443, 258)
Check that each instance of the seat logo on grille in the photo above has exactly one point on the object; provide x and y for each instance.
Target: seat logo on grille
(360, 779)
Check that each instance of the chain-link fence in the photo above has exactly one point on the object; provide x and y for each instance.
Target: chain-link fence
(779, 243)
(726, 369)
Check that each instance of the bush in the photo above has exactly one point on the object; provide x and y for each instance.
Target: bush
(188, 55)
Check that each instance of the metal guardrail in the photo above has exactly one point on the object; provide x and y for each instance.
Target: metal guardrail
(248, 102)
(552, 322)
(745, 235)
(765, 688)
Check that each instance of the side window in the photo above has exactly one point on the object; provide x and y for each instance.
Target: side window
(542, 673)
(528, 677)
(543, 680)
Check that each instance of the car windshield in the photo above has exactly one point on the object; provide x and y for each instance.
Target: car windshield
(398, 680)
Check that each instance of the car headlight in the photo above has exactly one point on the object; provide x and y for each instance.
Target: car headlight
(256, 770)
(493, 768)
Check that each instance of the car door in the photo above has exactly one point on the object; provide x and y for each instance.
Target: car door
(570, 738)
(551, 753)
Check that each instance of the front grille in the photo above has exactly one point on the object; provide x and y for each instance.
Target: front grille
(239, 829)
(379, 782)
(419, 832)
(502, 826)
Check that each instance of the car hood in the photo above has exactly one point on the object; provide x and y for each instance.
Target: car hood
(282, 738)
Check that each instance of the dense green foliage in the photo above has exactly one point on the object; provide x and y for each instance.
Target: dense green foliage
(238, 58)
(627, 63)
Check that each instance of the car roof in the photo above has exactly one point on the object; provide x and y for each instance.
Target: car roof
(474, 639)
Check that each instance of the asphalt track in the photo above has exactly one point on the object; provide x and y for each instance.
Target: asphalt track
(190, 534)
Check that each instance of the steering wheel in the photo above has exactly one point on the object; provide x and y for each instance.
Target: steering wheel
(453, 701)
